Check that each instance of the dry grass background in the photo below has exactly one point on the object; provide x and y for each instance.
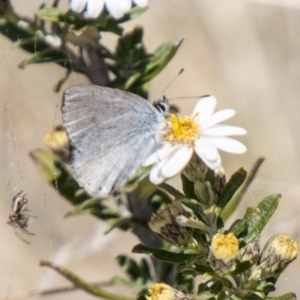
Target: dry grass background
(246, 53)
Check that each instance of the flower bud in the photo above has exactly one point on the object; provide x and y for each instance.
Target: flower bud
(196, 169)
(278, 253)
(250, 251)
(220, 180)
(161, 291)
(164, 224)
(57, 140)
(223, 252)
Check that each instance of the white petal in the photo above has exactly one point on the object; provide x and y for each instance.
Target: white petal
(156, 174)
(228, 145)
(117, 8)
(158, 155)
(177, 161)
(208, 153)
(94, 8)
(223, 130)
(204, 109)
(141, 3)
(219, 117)
(78, 5)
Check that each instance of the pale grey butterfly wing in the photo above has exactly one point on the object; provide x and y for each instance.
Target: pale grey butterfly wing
(112, 133)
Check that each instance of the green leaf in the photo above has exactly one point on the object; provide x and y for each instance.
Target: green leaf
(230, 189)
(252, 296)
(61, 81)
(95, 207)
(121, 223)
(161, 57)
(239, 227)
(201, 269)
(163, 255)
(44, 56)
(216, 287)
(52, 14)
(185, 280)
(232, 205)
(205, 286)
(132, 14)
(257, 218)
(241, 267)
(130, 266)
(222, 296)
(288, 296)
(145, 271)
(269, 287)
(188, 187)
(172, 191)
(58, 176)
(81, 283)
(196, 208)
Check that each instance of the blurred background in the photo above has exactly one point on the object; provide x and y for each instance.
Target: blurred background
(246, 53)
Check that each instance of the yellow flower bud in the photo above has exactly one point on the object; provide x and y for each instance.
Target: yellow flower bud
(278, 253)
(223, 252)
(57, 140)
(161, 291)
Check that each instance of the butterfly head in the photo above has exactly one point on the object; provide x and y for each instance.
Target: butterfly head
(162, 105)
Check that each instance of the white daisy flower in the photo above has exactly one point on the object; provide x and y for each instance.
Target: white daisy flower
(198, 134)
(116, 8)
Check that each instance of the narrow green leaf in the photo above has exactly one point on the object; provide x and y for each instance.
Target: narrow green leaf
(188, 187)
(268, 288)
(52, 14)
(61, 81)
(196, 208)
(121, 223)
(288, 296)
(201, 269)
(204, 287)
(236, 199)
(58, 176)
(132, 14)
(171, 190)
(145, 271)
(81, 283)
(241, 267)
(239, 227)
(216, 287)
(222, 296)
(257, 218)
(130, 266)
(44, 56)
(161, 57)
(230, 189)
(163, 255)
(95, 207)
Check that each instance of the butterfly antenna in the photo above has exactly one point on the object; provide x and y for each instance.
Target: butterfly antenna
(188, 97)
(162, 92)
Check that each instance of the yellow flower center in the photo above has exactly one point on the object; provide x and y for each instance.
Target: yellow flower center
(182, 130)
(224, 247)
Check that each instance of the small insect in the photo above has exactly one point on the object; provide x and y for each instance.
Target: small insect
(19, 219)
(112, 133)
